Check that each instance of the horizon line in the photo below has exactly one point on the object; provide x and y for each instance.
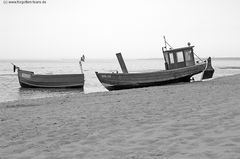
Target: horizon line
(62, 59)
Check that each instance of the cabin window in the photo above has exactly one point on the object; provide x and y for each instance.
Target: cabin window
(180, 56)
(171, 58)
(188, 55)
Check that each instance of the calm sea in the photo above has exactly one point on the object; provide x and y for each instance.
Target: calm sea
(11, 90)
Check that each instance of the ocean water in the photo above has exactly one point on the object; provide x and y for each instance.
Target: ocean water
(10, 89)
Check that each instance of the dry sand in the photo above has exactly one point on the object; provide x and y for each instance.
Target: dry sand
(197, 120)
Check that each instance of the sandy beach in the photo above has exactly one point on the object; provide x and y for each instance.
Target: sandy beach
(192, 121)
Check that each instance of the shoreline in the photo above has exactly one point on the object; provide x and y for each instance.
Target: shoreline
(193, 120)
(82, 93)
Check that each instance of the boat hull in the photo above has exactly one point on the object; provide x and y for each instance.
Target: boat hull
(117, 81)
(29, 79)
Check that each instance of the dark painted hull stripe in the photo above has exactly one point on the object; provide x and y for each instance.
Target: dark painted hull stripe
(140, 85)
(26, 84)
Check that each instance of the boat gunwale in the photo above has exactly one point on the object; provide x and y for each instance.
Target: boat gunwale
(33, 74)
(161, 71)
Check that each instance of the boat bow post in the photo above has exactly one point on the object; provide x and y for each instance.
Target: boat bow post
(80, 63)
(15, 67)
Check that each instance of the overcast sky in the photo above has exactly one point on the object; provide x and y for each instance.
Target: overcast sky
(100, 28)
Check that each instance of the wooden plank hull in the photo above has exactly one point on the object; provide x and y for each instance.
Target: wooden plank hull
(29, 79)
(116, 81)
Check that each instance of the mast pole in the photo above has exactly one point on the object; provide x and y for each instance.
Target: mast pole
(166, 43)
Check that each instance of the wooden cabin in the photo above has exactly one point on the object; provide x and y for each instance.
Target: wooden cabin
(178, 58)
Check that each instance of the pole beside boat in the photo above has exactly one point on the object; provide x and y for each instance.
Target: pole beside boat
(209, 70)
(122, 63)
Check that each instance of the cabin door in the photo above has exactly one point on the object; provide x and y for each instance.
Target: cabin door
(180, 59)
(172, 61)
(176, 60)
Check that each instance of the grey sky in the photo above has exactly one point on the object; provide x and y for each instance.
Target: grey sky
(101, 28)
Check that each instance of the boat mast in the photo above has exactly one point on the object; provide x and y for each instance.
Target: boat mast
(167, 44)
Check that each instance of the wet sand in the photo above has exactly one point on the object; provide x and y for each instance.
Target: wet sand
(192, 121)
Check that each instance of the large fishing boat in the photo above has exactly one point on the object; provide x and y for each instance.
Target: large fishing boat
(180, 66)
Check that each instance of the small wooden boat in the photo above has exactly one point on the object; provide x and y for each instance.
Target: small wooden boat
(29, 79)
(180, 66)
